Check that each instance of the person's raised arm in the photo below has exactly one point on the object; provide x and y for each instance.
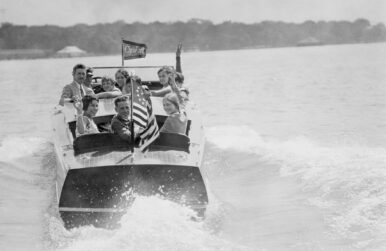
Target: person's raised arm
(178, 58)
(174, 88)
(110, 94)
(162, 92)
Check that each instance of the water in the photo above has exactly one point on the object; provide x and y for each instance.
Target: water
(295, 156)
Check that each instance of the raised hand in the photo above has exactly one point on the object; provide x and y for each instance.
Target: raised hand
(172, 81)
(178, 52)
(78, 104)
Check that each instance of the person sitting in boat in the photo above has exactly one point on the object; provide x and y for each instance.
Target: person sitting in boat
(88, 80)
(109, 89)
(121, 77)
(76, 89)
(177, 120)
(163, 75)
(121, 122)
(174, 105)
(86, 110)
(181, 92)
(127, 87)
(184, 93)
(146, 93)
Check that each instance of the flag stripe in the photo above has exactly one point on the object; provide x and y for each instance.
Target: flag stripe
(143, 116)
(151, 132)
(140, 119)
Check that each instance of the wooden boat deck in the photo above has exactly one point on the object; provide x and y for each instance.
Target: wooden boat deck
(106, 158)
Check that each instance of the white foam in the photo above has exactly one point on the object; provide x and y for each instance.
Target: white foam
(347, 182)
(150, 224)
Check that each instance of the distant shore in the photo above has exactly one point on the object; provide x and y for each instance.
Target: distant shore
(29, 54)
(24, 42)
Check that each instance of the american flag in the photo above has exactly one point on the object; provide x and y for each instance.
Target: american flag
(144, 117)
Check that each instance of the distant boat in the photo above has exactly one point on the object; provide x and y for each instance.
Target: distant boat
(310, 41)
(71, 51)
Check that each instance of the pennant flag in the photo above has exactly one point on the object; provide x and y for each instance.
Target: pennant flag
(144, 117)
(132, 50)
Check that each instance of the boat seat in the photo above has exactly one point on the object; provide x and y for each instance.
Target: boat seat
(103, 121)
(110, 141)
(153, 85)
(170, 141)
(99, 142)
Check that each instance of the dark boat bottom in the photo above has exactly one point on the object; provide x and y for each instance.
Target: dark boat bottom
(99, 196)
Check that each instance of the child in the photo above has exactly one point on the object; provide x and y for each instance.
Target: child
(110, 91)
(86, 110)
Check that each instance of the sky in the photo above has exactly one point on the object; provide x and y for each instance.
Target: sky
(70, 12)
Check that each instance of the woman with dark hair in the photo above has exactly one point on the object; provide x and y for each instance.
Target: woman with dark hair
(86, 110)
(127, 86)
(121, 77)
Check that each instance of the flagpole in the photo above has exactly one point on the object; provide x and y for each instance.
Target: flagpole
(131, 113)
(123, 61)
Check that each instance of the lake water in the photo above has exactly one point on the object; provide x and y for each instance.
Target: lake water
(295, 157)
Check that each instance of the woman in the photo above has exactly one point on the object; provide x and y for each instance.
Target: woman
(127, 86)
(120, 77)
(86, 110)
(164, 76)
(109, 89)
(176, 121)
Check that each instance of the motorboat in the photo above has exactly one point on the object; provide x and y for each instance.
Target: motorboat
(100, 175)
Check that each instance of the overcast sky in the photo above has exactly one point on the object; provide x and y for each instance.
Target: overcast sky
(70, 12)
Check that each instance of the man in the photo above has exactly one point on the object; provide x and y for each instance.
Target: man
(89, 75)
(76, 90)
(121, 123)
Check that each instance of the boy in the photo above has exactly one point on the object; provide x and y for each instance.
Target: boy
(121, 123)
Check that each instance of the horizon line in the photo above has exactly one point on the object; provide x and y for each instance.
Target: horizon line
(197, 20)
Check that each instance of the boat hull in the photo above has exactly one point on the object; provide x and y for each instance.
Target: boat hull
(98, 178)
(101, 195)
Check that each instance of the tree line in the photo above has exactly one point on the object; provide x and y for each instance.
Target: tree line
(195, 34)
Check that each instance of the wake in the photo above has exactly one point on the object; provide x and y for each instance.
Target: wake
(346, 182)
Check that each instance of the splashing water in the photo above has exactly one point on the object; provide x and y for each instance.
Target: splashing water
(346, 182)
(26, 191)
(151, 223)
